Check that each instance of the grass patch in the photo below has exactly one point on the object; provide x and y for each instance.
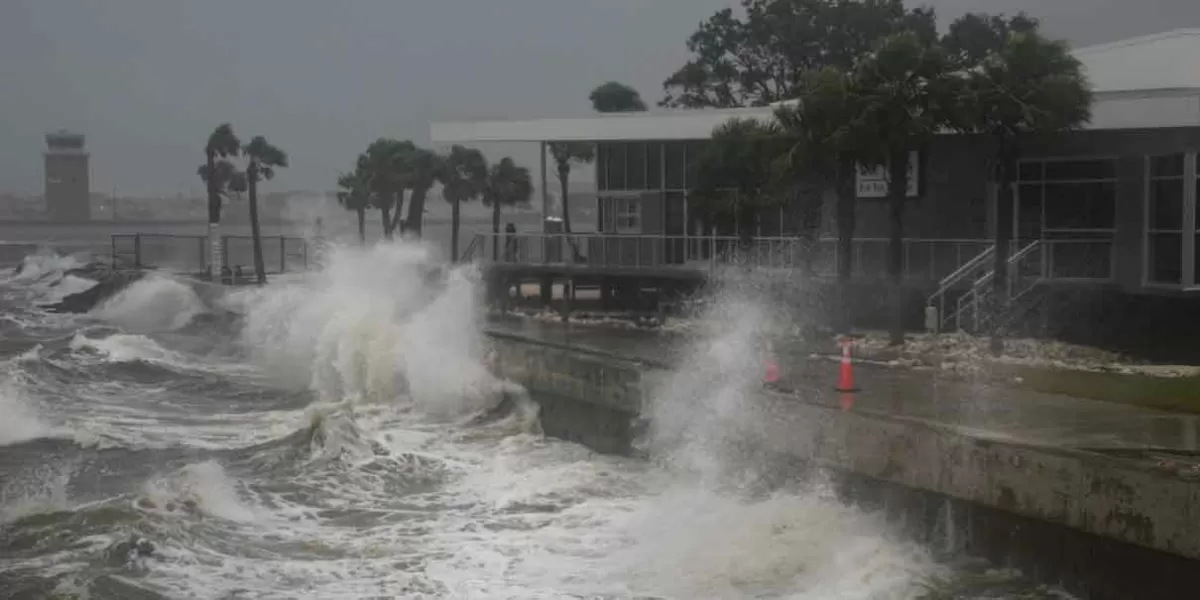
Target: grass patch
(1176, 394)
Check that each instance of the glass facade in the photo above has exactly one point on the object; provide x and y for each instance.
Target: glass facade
(1070, 205)
(1164, 220)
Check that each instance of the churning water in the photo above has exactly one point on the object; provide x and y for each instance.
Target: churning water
(331, 436)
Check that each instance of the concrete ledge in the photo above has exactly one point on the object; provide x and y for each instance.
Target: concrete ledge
(1100, 525)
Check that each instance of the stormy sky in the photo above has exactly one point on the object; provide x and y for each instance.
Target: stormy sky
(145, 80)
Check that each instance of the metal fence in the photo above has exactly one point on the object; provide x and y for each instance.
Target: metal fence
(190, 253)
(928, 259)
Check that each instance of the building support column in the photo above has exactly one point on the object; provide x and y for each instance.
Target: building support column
(545, 190)
(1189, 220)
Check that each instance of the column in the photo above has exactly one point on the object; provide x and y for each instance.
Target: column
(545, 189)
(1189, 219)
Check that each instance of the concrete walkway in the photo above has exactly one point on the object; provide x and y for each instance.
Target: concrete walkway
(982, 411)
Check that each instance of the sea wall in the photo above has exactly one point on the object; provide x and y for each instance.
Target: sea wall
(1101, 526)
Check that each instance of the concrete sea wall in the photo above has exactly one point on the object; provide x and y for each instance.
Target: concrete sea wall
(1100, 526)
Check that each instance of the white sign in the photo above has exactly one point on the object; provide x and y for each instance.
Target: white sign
(873, 183)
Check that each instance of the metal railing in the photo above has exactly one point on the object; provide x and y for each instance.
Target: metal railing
(1040, 261)
(922, 259)
(189, 253)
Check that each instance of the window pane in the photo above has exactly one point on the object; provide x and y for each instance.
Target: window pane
(636, 165)
(1166, 166)
(675, 152)
(1030, 171)
(602, 167)
(616, 167)
(694, 150)
(1080, 205)
(654, 166)
(1166, 257)
(1166, 204)
(1029, 211)
(1080, 169)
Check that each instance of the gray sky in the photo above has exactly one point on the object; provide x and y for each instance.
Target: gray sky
(146, 80)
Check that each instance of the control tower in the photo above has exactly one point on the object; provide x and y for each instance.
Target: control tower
(67, 187)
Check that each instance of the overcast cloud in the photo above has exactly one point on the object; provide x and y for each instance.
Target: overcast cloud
(146, 80)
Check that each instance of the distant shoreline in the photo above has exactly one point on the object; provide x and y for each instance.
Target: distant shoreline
(202, 222)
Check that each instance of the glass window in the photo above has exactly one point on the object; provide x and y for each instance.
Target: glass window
(616, 167)
(636, 166)
(1030, 171)
(1075, 170)
(676, 165)
(1166, 257)
(1029, 211)
(694, 150)
(654, 166)
(1082, 205)
(628, 215)
(1166, 166)
(602, 167)
(1166, 204)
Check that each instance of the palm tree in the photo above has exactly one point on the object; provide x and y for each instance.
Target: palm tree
(384, 166)
(507, 185)
(463, 174)
(821, 130)
(614, 97)
(735, 172)
(423, 167)
(565, 154)
(221, 144)
(355, 196)
(1012, 83)
(262, 160)
(905, 89)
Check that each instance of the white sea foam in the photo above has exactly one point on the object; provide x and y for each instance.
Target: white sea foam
(19, 421)
(375, 324)
(153, 303)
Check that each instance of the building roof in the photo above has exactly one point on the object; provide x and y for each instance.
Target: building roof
(1151, 81)
(1153, 62)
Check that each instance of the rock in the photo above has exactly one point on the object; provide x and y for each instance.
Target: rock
(88, 299)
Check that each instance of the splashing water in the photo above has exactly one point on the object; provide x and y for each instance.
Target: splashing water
(153, 303)
(375, 324)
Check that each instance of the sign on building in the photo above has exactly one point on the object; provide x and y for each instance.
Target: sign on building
(873, 183)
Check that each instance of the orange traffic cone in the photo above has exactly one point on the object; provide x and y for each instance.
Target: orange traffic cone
(846, 382)
(772, 375)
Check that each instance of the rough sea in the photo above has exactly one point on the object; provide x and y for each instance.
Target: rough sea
(331, 436)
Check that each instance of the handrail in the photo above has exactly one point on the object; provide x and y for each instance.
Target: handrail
(961, 273)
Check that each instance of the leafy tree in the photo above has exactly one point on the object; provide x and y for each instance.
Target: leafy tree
(384, 166)
(906, 98)
(355, 195)
(565, 154)
(761, 58)
(262, 160)
(824, 131)
(735, 173)
(1012, 83)
(464, 175)
(614, 97)
(507, 185)
(222, 144)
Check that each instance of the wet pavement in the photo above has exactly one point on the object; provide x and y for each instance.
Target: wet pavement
(985, 411)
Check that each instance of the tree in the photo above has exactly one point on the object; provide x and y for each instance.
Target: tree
(1011, 83)
(463, 175)
(906, 98)
(507, 185)
(384, 165)
(421, 171)
(356, 196)
(222, 144)
(262, 160)
(614, 97)
(565, 154)
(735, 173)
(824, 132)
(761, 58)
